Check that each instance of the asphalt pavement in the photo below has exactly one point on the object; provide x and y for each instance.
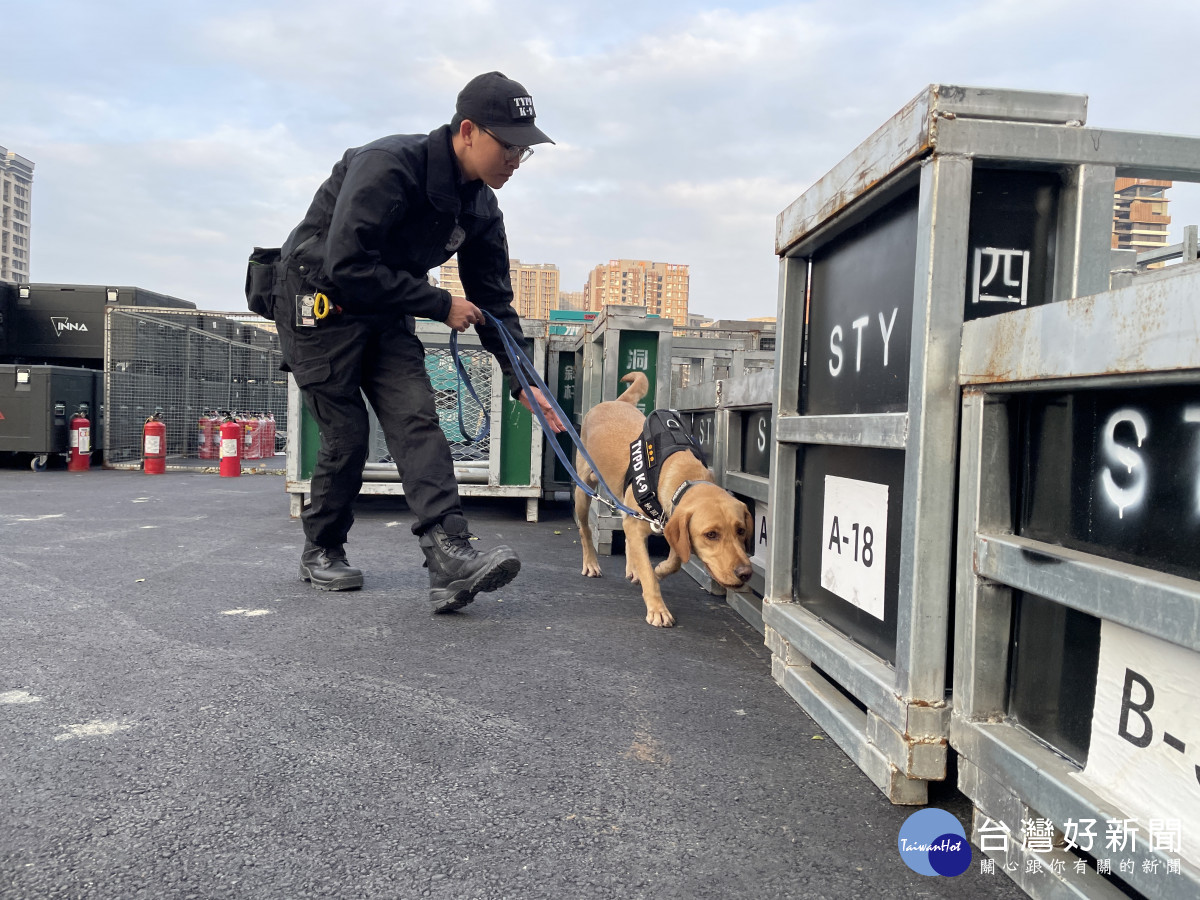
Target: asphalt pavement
(182, 717)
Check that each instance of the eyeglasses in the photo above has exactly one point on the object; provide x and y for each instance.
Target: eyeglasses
(512, 153)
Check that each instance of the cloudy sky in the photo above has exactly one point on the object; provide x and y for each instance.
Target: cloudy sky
(170, 138)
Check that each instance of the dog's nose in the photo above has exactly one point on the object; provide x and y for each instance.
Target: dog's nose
(743, 573)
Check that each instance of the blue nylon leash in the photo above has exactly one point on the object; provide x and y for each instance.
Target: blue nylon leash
(524, 369)
(461, 375)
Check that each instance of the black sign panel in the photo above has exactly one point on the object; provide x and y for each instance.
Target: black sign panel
(8, 296)
(756, 443)
(1052, 689)
(704, 427)
(860, 315)
(1010, 243)
(566, 389)
(1116, 473)
(848, 553)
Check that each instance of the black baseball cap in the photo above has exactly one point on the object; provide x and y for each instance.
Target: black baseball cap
(503, 107)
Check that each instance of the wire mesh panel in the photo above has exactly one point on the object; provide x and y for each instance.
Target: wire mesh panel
(439, 363)
(189, 365)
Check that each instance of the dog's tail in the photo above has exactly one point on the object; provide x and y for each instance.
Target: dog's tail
(639, 386)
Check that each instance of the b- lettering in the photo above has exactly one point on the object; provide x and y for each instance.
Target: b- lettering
(1138, 709)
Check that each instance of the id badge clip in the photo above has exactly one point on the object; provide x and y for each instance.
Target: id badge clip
(305, 313)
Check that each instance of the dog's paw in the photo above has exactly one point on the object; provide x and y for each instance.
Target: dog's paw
(660, 618)
(592, 570)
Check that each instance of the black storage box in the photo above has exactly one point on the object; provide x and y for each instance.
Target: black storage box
(37, 403)
(8, 298)
(63, 324)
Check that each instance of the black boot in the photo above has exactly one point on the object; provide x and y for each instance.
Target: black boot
(457, 571)
(327, 569)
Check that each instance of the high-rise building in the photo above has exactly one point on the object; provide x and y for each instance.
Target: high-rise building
(571, 301)
(535, 286)
(660, 287)
(1140, 216)
(16, 188)
(448, 278)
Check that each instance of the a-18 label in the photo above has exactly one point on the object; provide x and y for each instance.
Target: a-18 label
(854, 542)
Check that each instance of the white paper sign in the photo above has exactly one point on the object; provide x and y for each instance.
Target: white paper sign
(854, 541)
(1146, 737)
(762, 522)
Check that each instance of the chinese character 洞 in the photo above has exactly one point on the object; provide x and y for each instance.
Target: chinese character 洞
(639, 360)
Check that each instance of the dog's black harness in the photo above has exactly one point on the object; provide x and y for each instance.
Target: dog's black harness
(663, 434)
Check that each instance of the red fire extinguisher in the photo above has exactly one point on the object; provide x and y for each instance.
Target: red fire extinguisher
(154, 445)
(231, 442)
(79, 458)
(252, 440)
(208, 435)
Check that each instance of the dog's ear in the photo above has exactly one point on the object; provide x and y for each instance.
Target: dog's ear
(676, 533)
(750, 536)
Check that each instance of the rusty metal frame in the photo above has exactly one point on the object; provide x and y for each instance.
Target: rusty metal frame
(901, 738)
(1143, 335)
(727, 399)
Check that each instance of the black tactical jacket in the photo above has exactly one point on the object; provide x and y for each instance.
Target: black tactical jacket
(386, 216)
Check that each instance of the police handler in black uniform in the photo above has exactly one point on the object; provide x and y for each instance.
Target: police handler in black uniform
(389, 213)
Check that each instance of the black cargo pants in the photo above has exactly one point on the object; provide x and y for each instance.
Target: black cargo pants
(335, 364)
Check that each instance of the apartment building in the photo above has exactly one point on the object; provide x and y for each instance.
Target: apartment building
(535, 286)
(1140, 218)
(571, 300)
(16, 188)
(660, 287)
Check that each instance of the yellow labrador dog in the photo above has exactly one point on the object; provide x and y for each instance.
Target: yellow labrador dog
(707, 520)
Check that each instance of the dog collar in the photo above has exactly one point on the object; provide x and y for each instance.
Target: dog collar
(681, 490)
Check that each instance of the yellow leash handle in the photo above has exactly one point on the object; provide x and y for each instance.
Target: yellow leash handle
(321, 306)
